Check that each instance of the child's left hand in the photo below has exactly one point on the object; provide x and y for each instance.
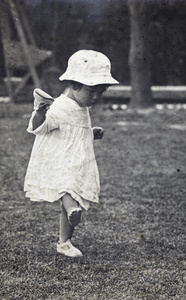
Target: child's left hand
(98, 133)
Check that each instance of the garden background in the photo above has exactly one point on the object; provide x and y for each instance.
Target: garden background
(134, 240)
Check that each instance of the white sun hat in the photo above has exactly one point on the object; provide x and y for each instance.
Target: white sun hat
(89, 67)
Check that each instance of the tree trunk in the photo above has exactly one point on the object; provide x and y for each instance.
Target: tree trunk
(139, 56)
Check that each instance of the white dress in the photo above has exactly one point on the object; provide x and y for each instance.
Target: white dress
(62, 159)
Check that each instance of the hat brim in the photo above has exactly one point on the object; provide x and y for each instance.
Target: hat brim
(90, 79)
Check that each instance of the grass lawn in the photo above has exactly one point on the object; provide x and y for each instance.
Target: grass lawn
(134, 240)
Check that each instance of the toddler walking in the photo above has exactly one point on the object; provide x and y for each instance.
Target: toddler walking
(62, 164)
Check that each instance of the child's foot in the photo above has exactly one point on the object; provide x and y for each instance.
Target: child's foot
(68, 249)
(74, 216)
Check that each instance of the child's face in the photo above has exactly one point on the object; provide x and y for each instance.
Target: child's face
(88, 95)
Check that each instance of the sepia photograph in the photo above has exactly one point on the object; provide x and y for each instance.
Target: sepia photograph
(93, 149)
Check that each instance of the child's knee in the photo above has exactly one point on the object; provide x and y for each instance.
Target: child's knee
(74, 216)
(69, 202)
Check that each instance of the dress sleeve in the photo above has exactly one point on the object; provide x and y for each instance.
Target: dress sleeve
(50, 123)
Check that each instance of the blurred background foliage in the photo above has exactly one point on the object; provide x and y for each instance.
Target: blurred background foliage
(65, 26)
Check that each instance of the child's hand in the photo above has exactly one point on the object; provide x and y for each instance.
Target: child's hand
(98, 133)
(42, 100)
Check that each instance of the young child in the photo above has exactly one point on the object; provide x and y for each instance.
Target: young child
(62, 165)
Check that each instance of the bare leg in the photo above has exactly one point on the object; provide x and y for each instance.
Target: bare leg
(72, 209)
(64, 246)
(69, 203)
(65, 229)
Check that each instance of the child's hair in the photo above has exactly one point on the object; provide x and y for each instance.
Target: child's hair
(77, 85)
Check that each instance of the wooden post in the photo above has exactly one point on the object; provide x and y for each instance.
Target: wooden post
(5, 33)
(23, 42)
(26, 25)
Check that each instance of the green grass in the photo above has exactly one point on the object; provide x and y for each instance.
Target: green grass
(133, 241)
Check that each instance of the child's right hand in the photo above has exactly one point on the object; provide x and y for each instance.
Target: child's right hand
(98, 133)
(42, 100)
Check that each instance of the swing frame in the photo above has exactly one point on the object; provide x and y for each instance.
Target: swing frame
(22, 55)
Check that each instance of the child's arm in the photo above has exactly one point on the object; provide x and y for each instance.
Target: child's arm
(98, 133)
(39, 117)
(42, 102)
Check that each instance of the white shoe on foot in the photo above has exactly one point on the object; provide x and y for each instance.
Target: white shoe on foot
(74, 216)
(68, 249)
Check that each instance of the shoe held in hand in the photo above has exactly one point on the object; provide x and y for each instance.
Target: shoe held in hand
(41, 99)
